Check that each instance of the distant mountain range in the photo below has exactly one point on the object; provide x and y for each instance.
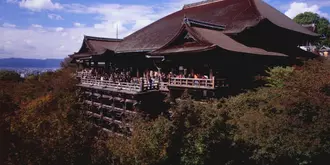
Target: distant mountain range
(30, 63)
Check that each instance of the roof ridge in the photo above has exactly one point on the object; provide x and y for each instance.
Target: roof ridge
(200, 3)
(203, 24)
(101, 38)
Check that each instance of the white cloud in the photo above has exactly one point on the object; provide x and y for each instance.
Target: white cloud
(59, 29)
(37, 5)
(321, 3)
(77, 24)
(31, 43)
(128, 18)
(58, 42)
(301, 7)
(36, 26)
(55, 17)
(8, 25)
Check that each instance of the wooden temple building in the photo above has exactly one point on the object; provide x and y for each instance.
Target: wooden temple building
(212, 48)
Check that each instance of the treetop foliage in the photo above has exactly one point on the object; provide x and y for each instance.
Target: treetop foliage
(285, 122)
(322, 24)
(6, 75)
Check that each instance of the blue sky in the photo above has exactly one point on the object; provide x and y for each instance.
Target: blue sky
(55, 28)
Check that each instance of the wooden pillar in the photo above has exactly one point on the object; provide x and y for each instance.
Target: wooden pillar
(211, 73)
(141, 84)
(92, 98)
(77, 67)
(101, 107)
(125, 105)
(90, 63)
(113, 104)
(82, 65)
(192, 72)
(204, 93)
(137, 73)
(159, 78)
(107, 65)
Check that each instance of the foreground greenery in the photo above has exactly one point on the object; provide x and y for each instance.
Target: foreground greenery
(285, 122)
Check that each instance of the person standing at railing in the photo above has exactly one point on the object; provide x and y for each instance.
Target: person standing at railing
(150, 82)
(151, 74)
(196, 77)
(141, 83)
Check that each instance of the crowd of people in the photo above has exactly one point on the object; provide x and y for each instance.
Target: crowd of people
(126, 75)
(195, 76)
(115, 76)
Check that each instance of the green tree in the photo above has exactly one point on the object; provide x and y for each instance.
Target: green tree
(286, 124)
(48, 127)
(6, 75)
(322, 24)
(278, 75)
(307, 18)
(195, 135)
(7, 108)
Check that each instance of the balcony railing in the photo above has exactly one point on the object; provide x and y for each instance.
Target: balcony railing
(143, 85)
(163, 86)
(83, 74)
(137, 87)
(192, 83)
(109, 84)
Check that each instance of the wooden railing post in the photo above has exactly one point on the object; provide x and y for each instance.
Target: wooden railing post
(92, 98)
(141, 84)
(125, 105)
(113, 105)
(101, 106)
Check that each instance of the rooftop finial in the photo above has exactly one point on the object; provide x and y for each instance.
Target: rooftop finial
(117, 32)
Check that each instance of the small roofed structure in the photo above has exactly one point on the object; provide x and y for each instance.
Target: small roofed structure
(95, 46)
(311, 27)
(325, 51)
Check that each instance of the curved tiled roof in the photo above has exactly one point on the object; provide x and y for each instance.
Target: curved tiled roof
(96, 46)
(99, 45)
(225, 42)
(236, 15)
(279, 19)
(206, 38)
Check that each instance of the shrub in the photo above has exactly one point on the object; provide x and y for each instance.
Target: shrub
(278, 75)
